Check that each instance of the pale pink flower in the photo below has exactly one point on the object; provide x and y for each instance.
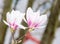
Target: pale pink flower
(35, 20)
(14, 19)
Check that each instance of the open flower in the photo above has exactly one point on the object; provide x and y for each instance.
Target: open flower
(35, 20)
(14, 19)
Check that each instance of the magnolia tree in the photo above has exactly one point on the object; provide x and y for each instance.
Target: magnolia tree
(33, 20)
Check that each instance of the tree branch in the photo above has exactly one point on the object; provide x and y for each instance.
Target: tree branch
(52, 24)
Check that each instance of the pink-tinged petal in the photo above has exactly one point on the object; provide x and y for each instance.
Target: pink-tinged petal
(36, 25)
(29, 13)
(29, 22)
(32, 18)
(32, 15)
(19, 18)
(15, 27)
(14, 18)
(43, 20)
(41, 27)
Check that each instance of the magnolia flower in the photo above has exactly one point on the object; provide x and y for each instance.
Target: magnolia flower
(35, 20)
(14, 19)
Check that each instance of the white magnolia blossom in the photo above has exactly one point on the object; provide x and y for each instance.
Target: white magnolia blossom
(14, 19)
(38, 23)
(35, 20)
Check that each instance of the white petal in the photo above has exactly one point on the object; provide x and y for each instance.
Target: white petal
(22, 27)
(38, 13)
(43, 20)
(33, 16)
(41, 27)
(8, 16)
(6, 22)
(15, 16)
(29, 10)
(29, 13)
(19, 17)
(12, 11)
(25, 19)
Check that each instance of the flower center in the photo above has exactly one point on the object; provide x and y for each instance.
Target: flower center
(31, 29)
(13, 25)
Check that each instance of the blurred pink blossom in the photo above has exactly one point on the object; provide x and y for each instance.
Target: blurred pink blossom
(35, 20)
(14, 19)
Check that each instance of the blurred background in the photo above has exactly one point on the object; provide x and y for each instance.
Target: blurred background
(46, 7)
